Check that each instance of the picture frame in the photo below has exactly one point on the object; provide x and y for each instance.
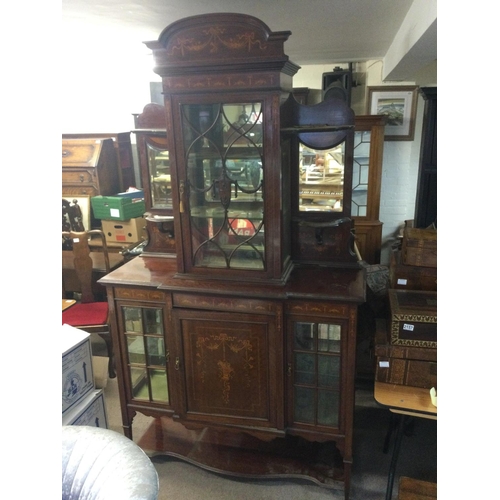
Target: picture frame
(399, 104)
(84, 203)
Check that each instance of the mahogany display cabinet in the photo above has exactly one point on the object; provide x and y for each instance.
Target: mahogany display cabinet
(241, 347)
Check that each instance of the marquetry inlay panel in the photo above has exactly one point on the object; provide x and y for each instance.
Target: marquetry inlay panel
(213, 303)
(221, 81)
(227, 367)
(339, 310)
(139, 294)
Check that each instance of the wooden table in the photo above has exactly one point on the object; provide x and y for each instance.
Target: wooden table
(70, 280)
(403, 401)
(66, 303)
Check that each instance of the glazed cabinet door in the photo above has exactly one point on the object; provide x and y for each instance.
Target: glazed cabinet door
(318, 381)
(145, 353)
(230, 368)
(229, 185)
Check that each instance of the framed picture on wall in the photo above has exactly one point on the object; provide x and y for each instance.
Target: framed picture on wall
(399, 104)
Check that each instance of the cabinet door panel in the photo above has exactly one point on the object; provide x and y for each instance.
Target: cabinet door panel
(146, 354)
(227, 360)
(315, 382)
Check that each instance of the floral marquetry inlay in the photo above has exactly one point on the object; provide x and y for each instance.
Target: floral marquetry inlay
(318, 308)
(215, 38)
(222, 343)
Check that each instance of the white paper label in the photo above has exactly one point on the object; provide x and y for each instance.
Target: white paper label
(383, 364)
(408, 327)
(402, 281)
(114, 212)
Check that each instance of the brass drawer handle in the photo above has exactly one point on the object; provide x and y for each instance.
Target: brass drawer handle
(65, 153)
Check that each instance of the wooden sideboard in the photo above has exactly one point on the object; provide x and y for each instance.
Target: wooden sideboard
(272, 363)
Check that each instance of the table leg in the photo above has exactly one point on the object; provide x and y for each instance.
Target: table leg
(393, 422)
(395, 455)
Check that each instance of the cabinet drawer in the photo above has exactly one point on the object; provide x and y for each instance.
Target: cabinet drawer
(77, 177)
(75, 190)
(318, 308)
(222, 304)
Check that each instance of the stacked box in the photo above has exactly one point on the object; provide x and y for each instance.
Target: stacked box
(405, 277)
(90, 411)
(130, 231)
(413, 318)
(82, 403)
(412, 366)
(77, 371)
(120, 208)
(419, 247)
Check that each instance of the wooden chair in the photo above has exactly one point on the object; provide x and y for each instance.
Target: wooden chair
(88, 314)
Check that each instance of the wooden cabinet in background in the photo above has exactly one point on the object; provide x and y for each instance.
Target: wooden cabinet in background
(366, 185)
(123, 152)
(89, 168)
(426, 202)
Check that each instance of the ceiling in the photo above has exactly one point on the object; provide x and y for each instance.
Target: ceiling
(323, 31)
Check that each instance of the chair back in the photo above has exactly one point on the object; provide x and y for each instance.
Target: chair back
(82, 259)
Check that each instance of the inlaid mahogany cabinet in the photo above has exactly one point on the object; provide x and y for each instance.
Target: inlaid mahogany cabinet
(242, 348)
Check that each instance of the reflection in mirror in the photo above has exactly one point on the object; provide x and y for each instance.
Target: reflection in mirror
(159, 171)
(321, 179)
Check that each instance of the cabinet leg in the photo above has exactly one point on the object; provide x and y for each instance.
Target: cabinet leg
(109, 346)
(347, 479)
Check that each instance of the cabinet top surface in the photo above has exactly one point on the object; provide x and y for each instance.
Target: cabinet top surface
(305, 282)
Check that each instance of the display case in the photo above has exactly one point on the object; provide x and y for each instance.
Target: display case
(154, 164)
(222, 109)
(366, 184)
(258, 348)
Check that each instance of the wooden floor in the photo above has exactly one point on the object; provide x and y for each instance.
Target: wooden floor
(412, 489)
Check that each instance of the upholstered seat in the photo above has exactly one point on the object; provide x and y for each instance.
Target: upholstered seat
(101, 464)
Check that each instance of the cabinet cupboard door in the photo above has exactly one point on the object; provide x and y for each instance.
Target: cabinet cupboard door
(315, 375)
(147, 354)
(229, 367)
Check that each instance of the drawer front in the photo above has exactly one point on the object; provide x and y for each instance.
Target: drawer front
(77, 177)
(83, 190)
(140, 294)
(318, 308)
(80, 154)
(210, 303)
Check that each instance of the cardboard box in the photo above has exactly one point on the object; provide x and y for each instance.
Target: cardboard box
(129, 231)
(117, 207)
(77, 371)
(90, 411)
(413, 318)
(419, 247)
